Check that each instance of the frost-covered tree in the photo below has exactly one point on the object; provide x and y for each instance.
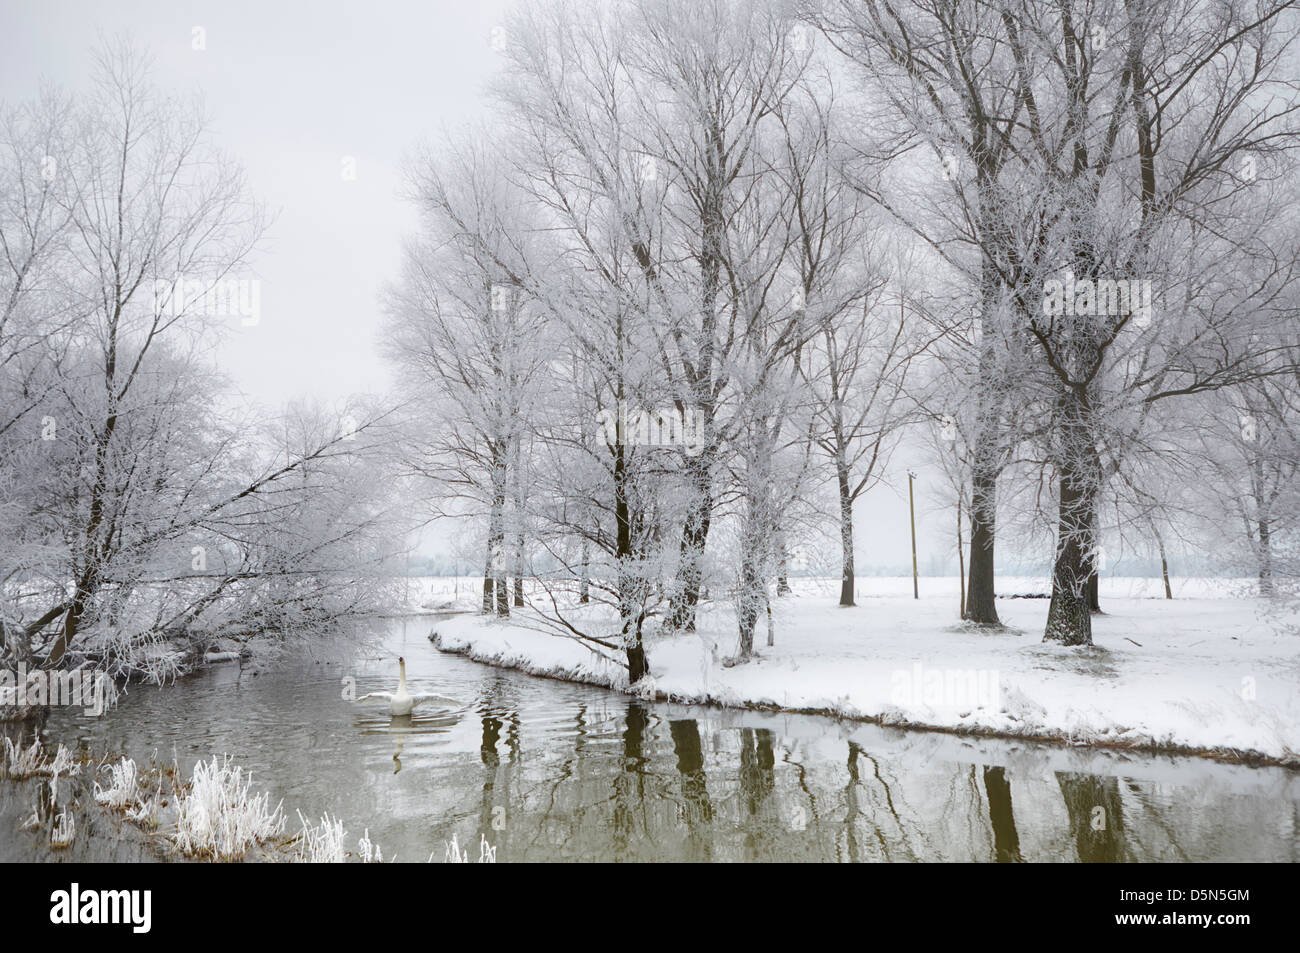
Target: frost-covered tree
(942, 79)
(464, 335)
(1248, 438)
(1098, 151)
(143, 508)
(1124, 206)
(678, 97)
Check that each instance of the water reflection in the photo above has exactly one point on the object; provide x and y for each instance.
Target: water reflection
(1002, 815)
(546, 770)
(696, 811)
(400, 727)
(750, 795)
(1096, 816)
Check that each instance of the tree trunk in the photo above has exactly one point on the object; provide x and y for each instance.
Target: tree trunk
(981, 603)
(758, 538)
(1068, 618)
(699, 515)
(747, 614)
(1094, 548)
(631, 584)
(502, 594)
(517, 572)
(846, 532)
(638, 666)
(71, 625)
(695, 534)
(584, 580)
(961, 561)
(516, 554)
(981, 598)
(1263, 520)
(96, 551)
(1266, 586)
(497, 538)
(782, 567)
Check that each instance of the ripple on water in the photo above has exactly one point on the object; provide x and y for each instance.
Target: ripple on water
(549, 770)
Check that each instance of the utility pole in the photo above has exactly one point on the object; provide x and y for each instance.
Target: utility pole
(911, 506)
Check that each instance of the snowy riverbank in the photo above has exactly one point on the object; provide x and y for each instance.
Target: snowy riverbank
(1204, 673)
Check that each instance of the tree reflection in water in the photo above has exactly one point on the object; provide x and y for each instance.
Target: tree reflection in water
(697, 810)
(640, 784)
(1096, 816)
(1006, 842)
(546, 770)
(630, 783)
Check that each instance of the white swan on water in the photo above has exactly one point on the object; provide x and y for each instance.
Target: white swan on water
(401, 702)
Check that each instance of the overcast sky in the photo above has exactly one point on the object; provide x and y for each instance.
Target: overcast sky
(293, 89)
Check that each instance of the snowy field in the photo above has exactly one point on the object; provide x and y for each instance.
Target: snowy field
(1209, 671)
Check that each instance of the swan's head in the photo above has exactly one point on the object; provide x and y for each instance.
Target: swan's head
(400, 660)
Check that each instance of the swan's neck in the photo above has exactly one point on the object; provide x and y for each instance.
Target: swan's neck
(401, 679)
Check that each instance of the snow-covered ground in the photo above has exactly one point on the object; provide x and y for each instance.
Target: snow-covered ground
(1207, 671)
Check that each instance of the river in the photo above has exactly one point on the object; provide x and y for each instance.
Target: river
(546, 770)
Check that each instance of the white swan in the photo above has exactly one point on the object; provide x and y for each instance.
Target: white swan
(401, 702)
